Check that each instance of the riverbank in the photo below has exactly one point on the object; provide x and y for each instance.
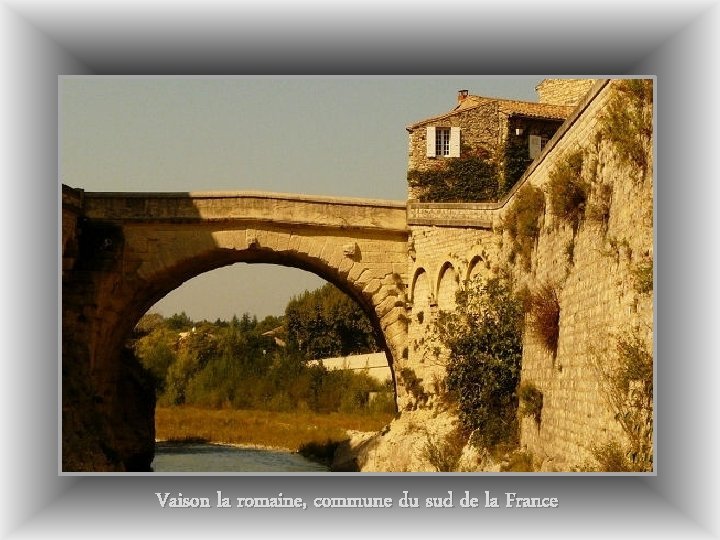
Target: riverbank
(289, 431)
(192, 457)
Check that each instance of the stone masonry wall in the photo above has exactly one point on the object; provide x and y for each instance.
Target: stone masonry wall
(442, 258)
(564, 91)
(597, 294)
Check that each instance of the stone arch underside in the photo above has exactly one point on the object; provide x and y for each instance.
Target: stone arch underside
(156, 260)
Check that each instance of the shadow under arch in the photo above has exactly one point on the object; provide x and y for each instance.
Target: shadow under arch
(477, 266)
(419, 272)
(446, 285)
(446, 266)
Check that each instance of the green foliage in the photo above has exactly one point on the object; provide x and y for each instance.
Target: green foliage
(484, 339)
(598, 209)
(522, 221)
(471, 178)
(628, 123)
(193, 355)
(612, 457)
(148, 323)
(517, 160)
(627, 376)
(544, 309)
(179, 322)
(156, 350)
(567, 191)
(326, 323)
(230, 364)
(635, 365)
(531, 401)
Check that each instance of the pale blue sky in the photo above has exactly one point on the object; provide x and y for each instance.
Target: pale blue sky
(321, 136)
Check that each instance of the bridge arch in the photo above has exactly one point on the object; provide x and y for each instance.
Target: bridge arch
(161, 283)
(124, 252)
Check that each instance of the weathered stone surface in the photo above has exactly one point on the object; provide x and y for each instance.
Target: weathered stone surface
(564, 91)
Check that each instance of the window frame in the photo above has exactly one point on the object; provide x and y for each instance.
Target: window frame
(443, 144)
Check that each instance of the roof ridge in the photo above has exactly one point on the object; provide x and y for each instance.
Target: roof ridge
(458, 108)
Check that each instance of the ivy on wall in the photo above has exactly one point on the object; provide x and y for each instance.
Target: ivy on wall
(472, 178)
(516, 161)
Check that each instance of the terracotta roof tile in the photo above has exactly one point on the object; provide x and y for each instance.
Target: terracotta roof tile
(507, 106)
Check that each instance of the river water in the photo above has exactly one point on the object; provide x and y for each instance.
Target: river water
(200, 457)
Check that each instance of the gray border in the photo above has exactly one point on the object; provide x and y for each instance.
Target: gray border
(676, 43)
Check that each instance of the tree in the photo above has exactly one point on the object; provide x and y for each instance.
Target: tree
(326, 323)
(484, 341)
(179, 322)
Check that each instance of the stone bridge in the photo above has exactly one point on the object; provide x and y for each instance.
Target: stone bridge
(122, 252)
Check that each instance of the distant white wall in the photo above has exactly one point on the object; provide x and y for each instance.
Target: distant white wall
(375, 364)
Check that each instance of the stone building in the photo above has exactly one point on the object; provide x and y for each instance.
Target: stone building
(509, 133)
(594, 269)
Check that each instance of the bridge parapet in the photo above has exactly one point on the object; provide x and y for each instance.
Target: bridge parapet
(469, 215)
(279, 208)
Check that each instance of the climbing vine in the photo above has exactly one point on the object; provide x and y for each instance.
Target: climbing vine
(473, 178)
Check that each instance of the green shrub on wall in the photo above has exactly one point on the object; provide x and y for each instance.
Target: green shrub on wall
(544, 309)
(567, 191)
(628, 123)
(626, 373)
(472, 178)
(531, 401)
(413, 386)
(598, 210)
(522, 222)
